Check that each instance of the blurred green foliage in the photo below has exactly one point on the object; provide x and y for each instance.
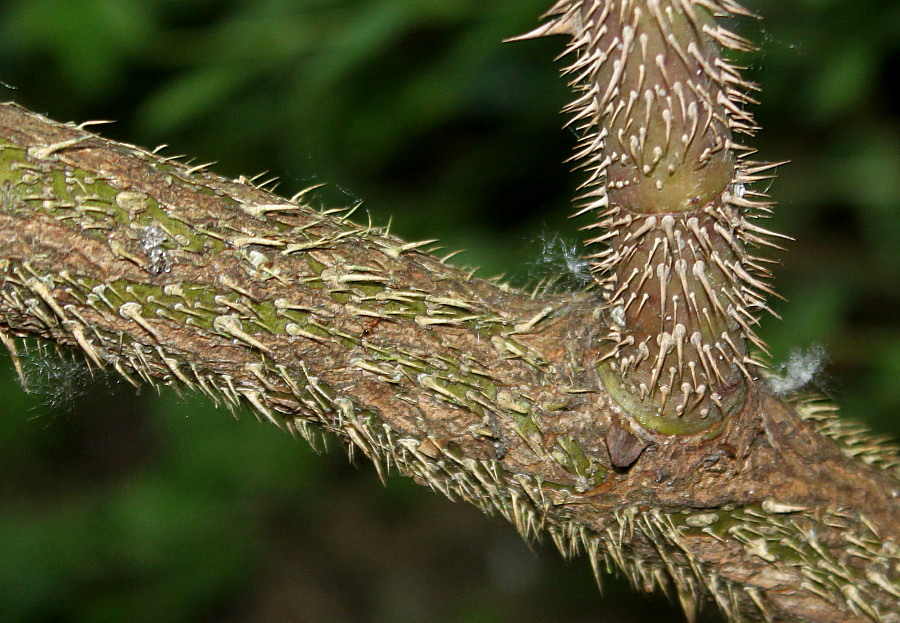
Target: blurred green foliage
(159, 509)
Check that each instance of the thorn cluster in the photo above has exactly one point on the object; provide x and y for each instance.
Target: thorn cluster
(670, 189)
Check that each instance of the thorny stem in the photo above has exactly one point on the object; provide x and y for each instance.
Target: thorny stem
(488, 395)
(172, 275)
(657, 107)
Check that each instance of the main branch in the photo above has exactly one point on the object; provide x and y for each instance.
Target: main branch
(172, 275)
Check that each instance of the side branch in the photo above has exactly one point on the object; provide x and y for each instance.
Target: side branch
(172, 275)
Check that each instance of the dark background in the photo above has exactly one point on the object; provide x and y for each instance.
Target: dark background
(153, 508)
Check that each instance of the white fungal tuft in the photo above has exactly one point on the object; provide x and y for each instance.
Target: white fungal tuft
(58, 377)
(801, 369)
(152, 239)
(561, 263)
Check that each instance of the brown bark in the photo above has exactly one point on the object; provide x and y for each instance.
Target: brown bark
(486, 394)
